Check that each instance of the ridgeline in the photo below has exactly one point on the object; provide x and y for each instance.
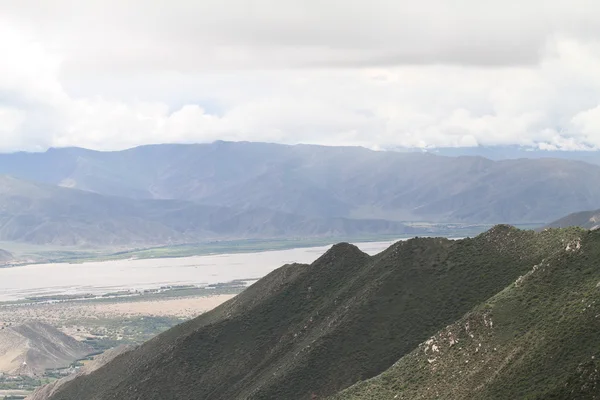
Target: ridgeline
(311, 331)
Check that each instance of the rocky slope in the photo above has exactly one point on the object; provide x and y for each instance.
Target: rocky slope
(584, 219)
(29, 349)
(536, 339)
(45, 392)
(309, 331)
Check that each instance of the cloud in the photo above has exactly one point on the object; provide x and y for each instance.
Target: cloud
(381, 74)
(112, 35)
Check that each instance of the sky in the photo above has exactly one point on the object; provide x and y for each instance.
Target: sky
(109, 75)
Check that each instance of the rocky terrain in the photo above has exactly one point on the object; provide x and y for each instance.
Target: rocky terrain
(536, 339)
(30, 348)
(584, 219)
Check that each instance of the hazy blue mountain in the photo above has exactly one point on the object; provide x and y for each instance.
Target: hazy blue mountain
(5, 256)
(45, 214)
(321, 181)
(512, 152)
(583, 219)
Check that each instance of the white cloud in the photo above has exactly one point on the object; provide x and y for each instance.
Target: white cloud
(188, 34)
(105, 75)
(11, 120)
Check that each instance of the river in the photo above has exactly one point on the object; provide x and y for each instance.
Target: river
(99, 278)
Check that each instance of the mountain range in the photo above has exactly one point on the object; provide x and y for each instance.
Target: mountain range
(507, 314)
(44, 214)
(514, 152)
(325, 182)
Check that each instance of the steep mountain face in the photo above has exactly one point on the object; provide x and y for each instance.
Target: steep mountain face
(43, 214)
(325, 181)
(536, 339)
(584, 219)
(31, 348)
(308, 331)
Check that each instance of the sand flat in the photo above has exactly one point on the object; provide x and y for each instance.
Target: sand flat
(186, 307)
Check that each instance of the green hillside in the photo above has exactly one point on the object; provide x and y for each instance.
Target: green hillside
(309, 331)
(536, 339)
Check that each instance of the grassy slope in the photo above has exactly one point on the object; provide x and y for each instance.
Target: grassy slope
(307, 331)
(537, 339)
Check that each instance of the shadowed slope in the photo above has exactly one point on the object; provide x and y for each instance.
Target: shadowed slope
(306, 331)
(537, 339)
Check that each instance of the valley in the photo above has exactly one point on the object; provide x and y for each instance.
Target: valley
(125, 276)
(105, 304)
(27, 253)
(233, 267)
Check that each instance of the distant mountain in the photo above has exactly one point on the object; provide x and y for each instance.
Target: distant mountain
(584, 219)
(44, 214)
(309, 331)
(31, 348)
(324, 182)
(513, 153)
(5, 256)
(536, 339)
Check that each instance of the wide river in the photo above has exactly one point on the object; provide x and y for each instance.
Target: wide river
(110, 276)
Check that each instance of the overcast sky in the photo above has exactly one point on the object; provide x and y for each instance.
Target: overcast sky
(107, 74)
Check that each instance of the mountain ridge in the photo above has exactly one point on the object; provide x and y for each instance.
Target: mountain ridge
(583, 219)
(313, 330)
(45, 214)
(536, 339)
(320, 181)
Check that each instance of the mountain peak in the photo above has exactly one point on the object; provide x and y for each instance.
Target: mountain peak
(340, 252)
